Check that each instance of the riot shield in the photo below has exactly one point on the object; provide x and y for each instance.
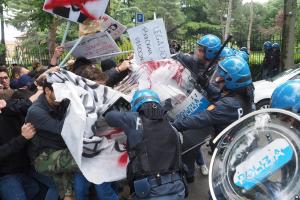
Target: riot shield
(257, 157)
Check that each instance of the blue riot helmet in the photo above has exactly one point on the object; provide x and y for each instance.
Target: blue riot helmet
(243, 55)
(267, 45)
(235, 50)
(235, 72)
(212, 45)
(227, 52)
(276, 46)
(244, 49)
(143, 96)
(287, 96)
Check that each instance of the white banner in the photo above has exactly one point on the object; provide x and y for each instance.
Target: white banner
(76, 10)
(97, 149)
(150, 41)
(94, 46)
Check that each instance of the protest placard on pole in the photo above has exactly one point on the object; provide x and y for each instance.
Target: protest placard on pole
(94, 46)
(150, 41)
(76, 10)
(105, 23)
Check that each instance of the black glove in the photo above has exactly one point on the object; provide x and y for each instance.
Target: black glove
(202, 80)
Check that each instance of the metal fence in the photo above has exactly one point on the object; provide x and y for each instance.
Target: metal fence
(25, 57)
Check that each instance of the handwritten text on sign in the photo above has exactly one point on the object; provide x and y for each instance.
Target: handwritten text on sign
(150, 41)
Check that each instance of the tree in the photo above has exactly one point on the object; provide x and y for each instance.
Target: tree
(2, 49)
(250, 26)
(288, 33)
(228, 20)
(29, 15)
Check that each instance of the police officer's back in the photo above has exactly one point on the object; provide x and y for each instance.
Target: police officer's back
(154, 148)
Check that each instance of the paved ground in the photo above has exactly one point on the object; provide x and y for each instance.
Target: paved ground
(199, 189)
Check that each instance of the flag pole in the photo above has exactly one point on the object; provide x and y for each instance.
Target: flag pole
(70, 52)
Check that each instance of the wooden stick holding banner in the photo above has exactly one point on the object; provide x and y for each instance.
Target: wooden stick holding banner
(112, 54)
(66, 33)
(70, 52)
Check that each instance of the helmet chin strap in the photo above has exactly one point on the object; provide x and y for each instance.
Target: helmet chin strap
(152, 111)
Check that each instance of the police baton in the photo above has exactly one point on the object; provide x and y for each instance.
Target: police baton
(195, 146)
(217, 55)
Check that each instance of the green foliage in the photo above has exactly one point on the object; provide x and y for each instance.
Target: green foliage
(24, 14)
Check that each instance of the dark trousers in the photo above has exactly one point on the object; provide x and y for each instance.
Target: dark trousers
(18, 187)
(190, 139)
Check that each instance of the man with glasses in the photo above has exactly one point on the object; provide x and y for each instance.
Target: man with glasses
(4, 78)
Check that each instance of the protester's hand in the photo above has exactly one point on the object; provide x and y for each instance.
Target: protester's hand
(123, 66)
(202, 80)
(52, 69)
(58, 51)
(28, 131)
(2, 104)
(130, 57)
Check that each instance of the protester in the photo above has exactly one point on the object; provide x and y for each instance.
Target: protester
(59, 50)
(81, 184)
(20, 78)
(4, 79)
(175, 47)
(12, 118)
(15, 168)
(154, 170)
(47, 149)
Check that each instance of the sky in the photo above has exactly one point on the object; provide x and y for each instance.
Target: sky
(11, 32)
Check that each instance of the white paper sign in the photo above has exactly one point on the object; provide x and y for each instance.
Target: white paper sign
(76, 10)
(150, 41)
(94, 46)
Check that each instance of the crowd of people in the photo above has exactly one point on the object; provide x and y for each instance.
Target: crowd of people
(36, 163)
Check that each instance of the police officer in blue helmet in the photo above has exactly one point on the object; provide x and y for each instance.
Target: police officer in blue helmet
(268, 60)
(287, 96)
(206, 49)
(276, 59)
(227, 52)
(154, 148)
(243, 55)
(244, 49)
(233, 101)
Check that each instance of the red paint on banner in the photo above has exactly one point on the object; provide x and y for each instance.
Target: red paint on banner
(78, 3)
(123, 159)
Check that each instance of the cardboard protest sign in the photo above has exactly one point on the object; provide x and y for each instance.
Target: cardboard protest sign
(105, 23)
(93, 46)
(112, 26)
(150, 41)
(76, 10)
